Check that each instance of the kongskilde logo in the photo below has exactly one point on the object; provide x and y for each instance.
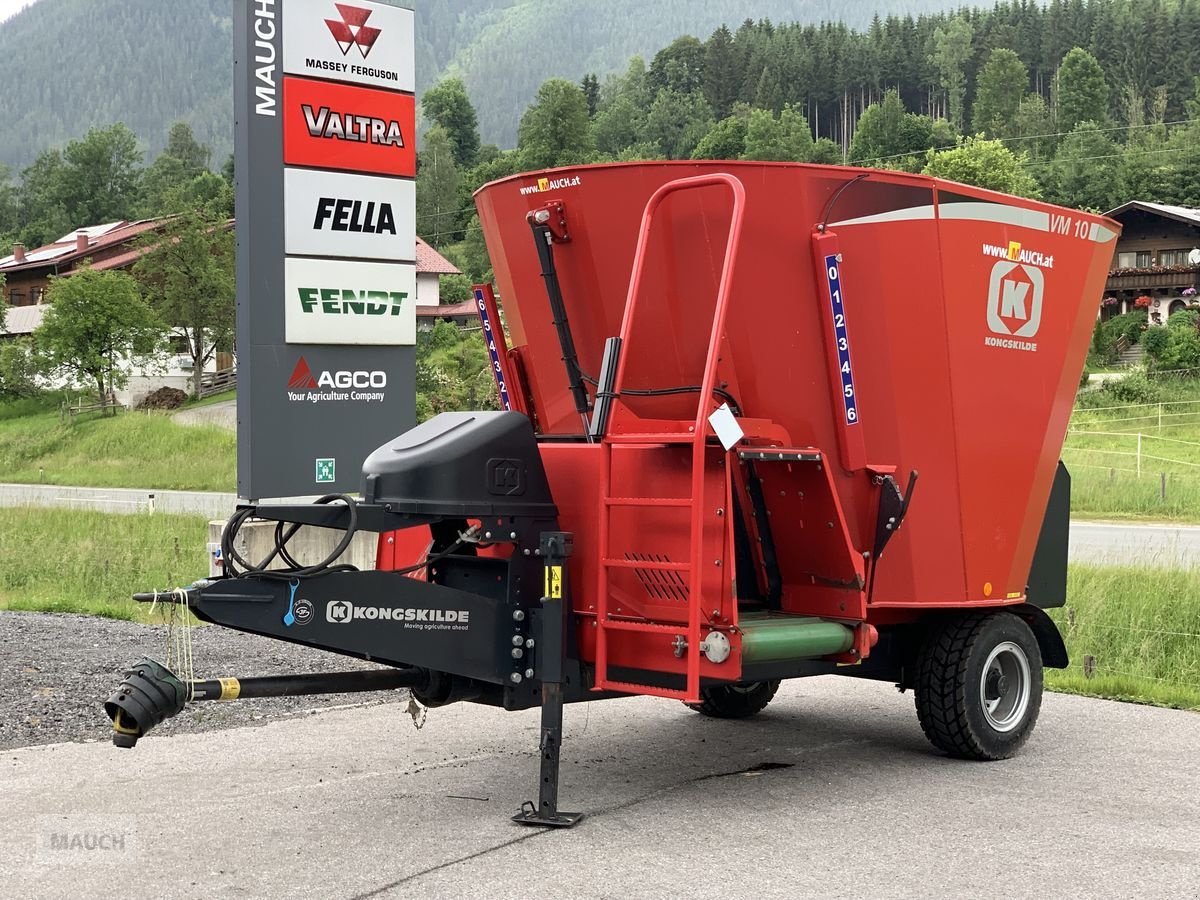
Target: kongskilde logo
(352, 29)
(357, 387)
(343, 612)
(1015, 298)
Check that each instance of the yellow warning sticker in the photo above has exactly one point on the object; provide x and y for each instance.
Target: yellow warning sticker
(231, 689)
(554, 578)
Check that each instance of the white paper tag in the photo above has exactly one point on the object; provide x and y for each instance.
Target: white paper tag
(726, 426)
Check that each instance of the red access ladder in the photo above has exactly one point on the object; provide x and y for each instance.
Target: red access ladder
(693, 433)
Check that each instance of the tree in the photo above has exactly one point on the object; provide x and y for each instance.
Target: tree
(678, 67)
(952, 51)
(618, 125)
(1087, 171)
(782, 138)
(888, 136)
(678, 122)
(447, 104)
(186, 276)
(720, 73)
(1082, 93)
(725, 140)
(555, 129)
(438, 201)
(102, 176)
(1033, 124)
(183, 146)
(998, 92)
(985, 164)
(96, 321)
(591, 93)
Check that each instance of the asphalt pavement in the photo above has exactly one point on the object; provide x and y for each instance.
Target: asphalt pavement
(832, 792)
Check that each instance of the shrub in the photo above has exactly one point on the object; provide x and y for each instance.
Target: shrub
(1105, 337)
(1133, 388)
(1155, 341)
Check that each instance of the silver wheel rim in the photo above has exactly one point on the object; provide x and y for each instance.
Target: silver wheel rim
(1005, 686)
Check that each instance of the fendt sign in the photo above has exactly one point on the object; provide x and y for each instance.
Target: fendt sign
(326, 200)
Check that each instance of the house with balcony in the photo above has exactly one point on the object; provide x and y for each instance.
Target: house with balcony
(1157, 261)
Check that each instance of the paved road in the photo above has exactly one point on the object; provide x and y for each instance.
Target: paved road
(219, 415)
(356, 803)
(1170, 546)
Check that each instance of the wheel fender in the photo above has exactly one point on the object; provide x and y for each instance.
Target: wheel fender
(1050, 641)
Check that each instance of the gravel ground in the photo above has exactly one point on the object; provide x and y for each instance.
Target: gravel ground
(56, 671)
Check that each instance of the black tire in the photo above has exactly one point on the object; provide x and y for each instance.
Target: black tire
(952, 684)
(735, 701)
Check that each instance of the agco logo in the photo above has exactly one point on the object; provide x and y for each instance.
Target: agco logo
(1015, 298)
(303, 379)
(334, 302)
(352, 29)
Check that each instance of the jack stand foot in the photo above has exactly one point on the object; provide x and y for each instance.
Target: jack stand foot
(529, 815)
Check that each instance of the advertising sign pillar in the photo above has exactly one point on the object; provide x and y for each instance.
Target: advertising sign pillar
(325, 162)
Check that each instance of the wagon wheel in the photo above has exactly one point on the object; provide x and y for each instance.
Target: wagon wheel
(979, 685)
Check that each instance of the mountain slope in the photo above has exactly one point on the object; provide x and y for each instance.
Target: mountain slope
(68, 65)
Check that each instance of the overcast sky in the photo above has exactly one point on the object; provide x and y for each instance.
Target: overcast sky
(8, 7)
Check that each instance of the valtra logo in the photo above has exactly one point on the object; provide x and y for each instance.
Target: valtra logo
(348, 128)
(352, 29)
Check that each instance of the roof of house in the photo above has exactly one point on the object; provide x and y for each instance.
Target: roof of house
(1184, 214)
(66, 250)
(455, 311)
(430, 262)
(23, 319)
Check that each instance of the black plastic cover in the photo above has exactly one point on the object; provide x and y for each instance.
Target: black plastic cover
(1047, 586)
(461, 464)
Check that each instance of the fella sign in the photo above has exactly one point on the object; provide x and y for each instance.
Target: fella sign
(326, 198)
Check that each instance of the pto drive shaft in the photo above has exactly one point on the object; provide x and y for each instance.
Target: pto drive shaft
(152, 693)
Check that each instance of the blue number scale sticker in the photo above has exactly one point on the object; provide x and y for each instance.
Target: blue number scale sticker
(833, 275)
(489, 338)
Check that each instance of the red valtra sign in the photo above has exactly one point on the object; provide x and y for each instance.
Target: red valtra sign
(350, 128)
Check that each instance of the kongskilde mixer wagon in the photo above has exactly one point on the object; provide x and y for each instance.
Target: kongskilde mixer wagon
(723, 381)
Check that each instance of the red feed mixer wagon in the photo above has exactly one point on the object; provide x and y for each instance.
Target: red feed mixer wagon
(723, 381)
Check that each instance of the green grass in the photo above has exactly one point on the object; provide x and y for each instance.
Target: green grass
(1115, 475)
(54, 560)
(1141, 629)
(130, 450)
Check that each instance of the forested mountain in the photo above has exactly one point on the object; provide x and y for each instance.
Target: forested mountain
(68, 65)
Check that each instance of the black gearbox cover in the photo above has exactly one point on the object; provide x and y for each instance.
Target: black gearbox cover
(461, 464)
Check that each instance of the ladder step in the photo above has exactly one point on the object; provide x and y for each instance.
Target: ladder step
(649, 501)
(642, 627)
(646, 565)
(650, 690)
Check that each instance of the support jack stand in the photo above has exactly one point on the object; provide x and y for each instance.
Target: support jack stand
(555, 547)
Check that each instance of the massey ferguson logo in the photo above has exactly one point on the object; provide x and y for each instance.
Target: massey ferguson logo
(325, 123)
(343, 612)
(352, 29)
(1014, 312)
(360, 387)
